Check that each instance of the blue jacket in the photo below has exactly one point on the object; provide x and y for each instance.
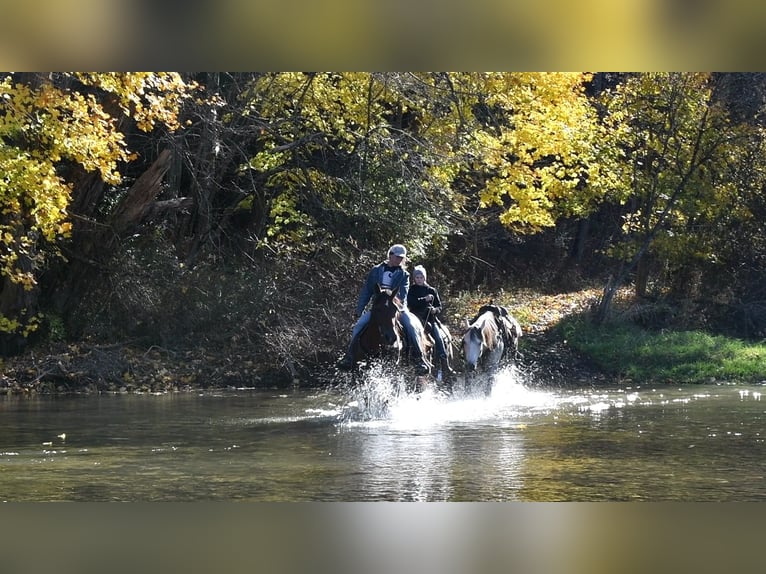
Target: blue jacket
(375, 277)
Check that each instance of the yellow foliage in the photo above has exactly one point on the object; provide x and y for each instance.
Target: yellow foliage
(528, 141)
(678, 173)
(537, 142)
(43, 127)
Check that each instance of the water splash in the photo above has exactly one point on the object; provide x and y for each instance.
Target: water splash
(387, 399)
(371, 397)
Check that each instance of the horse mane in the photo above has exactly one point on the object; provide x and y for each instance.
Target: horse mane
(486, 326)
(389, 294)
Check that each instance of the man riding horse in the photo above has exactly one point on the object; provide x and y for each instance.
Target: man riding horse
(390, 274)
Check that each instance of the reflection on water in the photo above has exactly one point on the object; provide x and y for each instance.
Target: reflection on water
(376, 442)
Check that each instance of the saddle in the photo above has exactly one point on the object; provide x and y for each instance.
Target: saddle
(497, 310)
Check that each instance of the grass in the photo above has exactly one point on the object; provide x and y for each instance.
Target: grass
(627, 351)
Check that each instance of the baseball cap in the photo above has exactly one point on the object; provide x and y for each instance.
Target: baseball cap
(398, 250)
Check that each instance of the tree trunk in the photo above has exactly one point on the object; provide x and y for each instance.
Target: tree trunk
(578, 247)
(17, 303)
(135, 205)
(605, 304)
(94, 242)
(642, 276)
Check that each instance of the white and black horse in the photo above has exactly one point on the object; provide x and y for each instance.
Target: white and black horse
(491, 338)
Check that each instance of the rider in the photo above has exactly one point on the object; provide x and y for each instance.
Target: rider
(390, 274)
(424, 301)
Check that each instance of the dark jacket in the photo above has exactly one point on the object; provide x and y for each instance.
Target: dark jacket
(417, 304)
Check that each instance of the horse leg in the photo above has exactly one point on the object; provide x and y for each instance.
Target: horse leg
(416, 340)
(446, 375)
(420, 382)
(445, 361)
(441, 346)
(494, 358)
(471, 383)
(352, 355)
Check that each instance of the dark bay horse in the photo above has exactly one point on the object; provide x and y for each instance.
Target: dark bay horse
(384, 334)
(491, 337)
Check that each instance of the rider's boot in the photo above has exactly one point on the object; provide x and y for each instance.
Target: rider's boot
(347, 362)
(445, 366)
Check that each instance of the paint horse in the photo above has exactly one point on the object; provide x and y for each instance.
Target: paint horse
(490, 339)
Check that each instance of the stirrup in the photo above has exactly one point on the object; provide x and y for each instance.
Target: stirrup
(346, 363)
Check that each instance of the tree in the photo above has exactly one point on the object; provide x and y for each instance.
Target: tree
(677, 148)
(58, 131)
(525, 154)
(360, 143)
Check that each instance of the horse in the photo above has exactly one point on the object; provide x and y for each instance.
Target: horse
(443, 366)
(383, 332)
(384, 335)
(491, 337)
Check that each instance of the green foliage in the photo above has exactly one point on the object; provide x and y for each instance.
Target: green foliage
(277, 172)
(330, 152)
(401, 155)
(646, 356)
(56, 327)
(679, 156)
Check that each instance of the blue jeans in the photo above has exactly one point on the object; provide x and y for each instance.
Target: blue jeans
(410, 322)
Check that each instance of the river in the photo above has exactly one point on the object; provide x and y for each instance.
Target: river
(520, 443)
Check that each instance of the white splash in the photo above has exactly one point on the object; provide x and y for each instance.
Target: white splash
(383, 402)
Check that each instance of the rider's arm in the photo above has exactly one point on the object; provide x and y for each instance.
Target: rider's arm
(367, 290)
(404, 287)
(436, 303)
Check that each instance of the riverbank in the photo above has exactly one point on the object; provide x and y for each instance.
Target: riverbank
(86, 367)
(558, 349)
(83, 368)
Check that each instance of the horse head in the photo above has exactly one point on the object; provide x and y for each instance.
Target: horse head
(384, 315)
(481, 337)
(472, 347)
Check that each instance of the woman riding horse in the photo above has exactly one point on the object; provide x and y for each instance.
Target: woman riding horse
(423, 300)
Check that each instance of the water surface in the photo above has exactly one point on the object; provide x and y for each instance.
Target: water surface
(521, 443)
